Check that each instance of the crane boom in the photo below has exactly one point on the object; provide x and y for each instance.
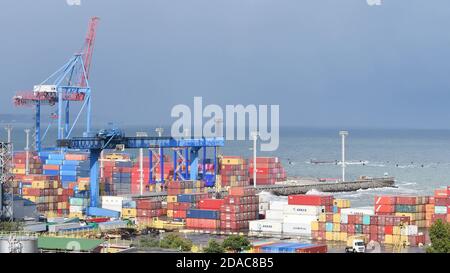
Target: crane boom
(88, 48)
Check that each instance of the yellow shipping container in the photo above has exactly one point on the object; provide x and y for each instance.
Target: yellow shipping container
(18, 171)
(314, 226)
(322, 217)
(55, 184)
(336, 236)
(129, 213)
(329, 236)
(76, 215)
(336, 218)
(171, 199)
(388, 239)
(39, 184)
(341, 203)
(170, 213)
(396, 230)
(336, 227)
(231, 161)
(429, 208)
(83, 186)
(343, 236)
(404, 238)
(188, 191)
(396, 239)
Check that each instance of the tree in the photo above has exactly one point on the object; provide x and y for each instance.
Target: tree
(176, 242)
(236, 243)
(11, 226)
(440, 237)
(213, 247)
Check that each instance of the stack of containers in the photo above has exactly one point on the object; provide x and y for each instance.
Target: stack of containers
(380, 228)
(442, 205)
(233, 172)
(302, 210)
(239, 208)
(78, 205)
(53, 162)
(136, 174)
(116, 178)
(273, 222)
(183, 195)
(268, 171)
(206, 217)
(47, 193)
(74, 166)
(146, 209)
(412, 206)
(19, 164)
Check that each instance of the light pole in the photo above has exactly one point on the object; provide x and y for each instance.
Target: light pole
(141, 163)
(8, 129)
(27, 152)
(343, 134)
(255, 138)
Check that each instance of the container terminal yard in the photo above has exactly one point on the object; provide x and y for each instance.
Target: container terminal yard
(89, 194)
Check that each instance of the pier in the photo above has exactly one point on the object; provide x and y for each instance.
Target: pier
(303, 185)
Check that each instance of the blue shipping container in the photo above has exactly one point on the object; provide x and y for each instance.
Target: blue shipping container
(51, 172)
(203, 214)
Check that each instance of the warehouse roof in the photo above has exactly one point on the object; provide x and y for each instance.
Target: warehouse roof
(68, 244)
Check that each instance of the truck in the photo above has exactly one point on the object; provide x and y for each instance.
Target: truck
(356, 244)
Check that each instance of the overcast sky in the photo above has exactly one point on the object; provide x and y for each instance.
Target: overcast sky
(325, 62)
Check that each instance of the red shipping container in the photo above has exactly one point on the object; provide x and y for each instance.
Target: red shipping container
(435, 217)
(241, 191)
(374, 220)
(179, 214)
(385, 200)
(232, 208)
(343, 228)
(407, 200)
(441, 201)
(388, 230)
(384, 208)
(312, 200)
(373, 229)
(441, 193)
(351, 228)
(366, 229)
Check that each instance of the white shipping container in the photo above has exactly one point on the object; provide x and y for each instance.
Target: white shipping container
(112, 207)
(266, 226)
(277, 205)
(112, 203)
(409, 230)
(112, 200)
(76, 208)
(274, 214)
(353, 211)
(290, 218)
(303, 210)
(297, 228)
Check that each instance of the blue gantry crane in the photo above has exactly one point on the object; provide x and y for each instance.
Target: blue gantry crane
(67, 85)
(116, 139)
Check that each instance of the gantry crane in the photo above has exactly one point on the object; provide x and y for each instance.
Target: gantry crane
(70, 83)
(116, 139)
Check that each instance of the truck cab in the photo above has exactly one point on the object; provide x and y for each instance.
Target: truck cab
(356, 244)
